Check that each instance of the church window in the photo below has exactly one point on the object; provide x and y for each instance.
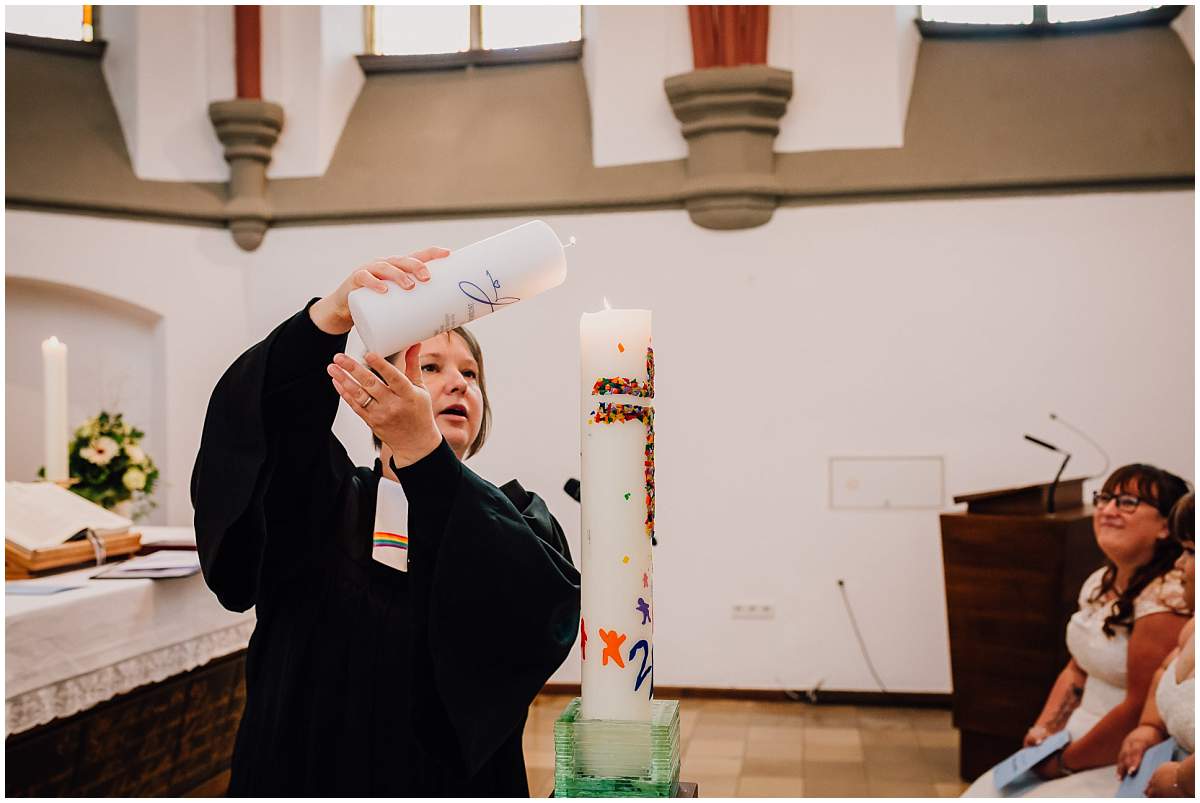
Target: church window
(52, 22)
(969, 21)
(439, 37)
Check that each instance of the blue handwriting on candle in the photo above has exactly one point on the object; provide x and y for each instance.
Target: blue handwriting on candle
(644, 671)
(496, 300)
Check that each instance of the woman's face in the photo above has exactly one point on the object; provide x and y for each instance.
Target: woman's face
(1128, 539)
(1187, 564)
(451, 376)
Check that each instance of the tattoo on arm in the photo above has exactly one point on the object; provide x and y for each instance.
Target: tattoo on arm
(1070, 701)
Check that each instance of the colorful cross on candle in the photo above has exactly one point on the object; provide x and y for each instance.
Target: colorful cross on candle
(617, 448)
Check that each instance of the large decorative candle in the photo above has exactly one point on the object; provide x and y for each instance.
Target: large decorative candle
(473, 281)
(617, 496)
(54, 392)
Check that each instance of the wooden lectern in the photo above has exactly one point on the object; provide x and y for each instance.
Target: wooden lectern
(1013, 574)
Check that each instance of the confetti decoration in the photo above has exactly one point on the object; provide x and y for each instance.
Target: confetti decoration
(625, 559)
(619, 385)
(620, 347)
(609, 413)
(627, 495)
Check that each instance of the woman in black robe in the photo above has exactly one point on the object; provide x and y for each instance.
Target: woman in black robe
(362, 679)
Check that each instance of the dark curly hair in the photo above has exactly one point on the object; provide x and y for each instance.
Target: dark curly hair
(1162, 489)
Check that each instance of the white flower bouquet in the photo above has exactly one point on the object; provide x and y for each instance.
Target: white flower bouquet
(109, 466)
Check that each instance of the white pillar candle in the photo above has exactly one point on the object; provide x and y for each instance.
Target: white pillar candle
(474, 281)
(54, 392)
(617, 496)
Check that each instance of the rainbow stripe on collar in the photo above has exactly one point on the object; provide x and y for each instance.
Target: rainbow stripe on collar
(391, 539)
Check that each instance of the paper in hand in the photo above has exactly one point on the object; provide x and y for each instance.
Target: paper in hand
(1022, 761)
(1134, 783)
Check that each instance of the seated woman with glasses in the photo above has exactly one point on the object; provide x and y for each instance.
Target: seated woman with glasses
(1171, 705)
(1131, 611)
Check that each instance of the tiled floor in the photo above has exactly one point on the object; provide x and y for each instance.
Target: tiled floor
(746, 748)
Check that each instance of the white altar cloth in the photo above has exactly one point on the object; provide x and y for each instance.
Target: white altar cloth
(66, 652)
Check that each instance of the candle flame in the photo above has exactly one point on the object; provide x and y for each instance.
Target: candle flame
(607, 306)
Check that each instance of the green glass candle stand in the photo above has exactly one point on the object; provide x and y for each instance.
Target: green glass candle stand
(615, 758)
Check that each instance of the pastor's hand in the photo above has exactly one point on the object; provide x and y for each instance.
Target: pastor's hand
(332, 313)
(394, 404)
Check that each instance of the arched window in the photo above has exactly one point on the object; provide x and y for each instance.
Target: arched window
(424, 37)
(75, 23)
(967, 21)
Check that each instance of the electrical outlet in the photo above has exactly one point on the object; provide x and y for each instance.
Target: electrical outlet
(753, 610)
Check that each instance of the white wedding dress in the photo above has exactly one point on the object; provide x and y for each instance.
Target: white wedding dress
(1176, 703)
(1104, 661)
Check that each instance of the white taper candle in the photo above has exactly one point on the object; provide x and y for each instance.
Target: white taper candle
(54, 392)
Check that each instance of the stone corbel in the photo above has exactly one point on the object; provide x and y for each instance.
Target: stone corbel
(248, 129)
(730, 118)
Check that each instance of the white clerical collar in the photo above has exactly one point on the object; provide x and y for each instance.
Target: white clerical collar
(390, 538)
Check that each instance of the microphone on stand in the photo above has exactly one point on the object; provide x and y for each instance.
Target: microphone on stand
(1058, 476)
(572, 488)
(1104, 471)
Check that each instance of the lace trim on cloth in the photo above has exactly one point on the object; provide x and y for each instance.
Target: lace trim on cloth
(80, 693)
(1162, 595)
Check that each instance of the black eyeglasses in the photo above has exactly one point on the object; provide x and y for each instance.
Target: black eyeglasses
(1126, 503)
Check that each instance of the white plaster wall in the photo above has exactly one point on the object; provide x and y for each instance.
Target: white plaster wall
(908, 47)
(852, 71)
(189, 277)
(1185, 26)
(628, 52)
(164, 64)
(917, 328)
(309, 68)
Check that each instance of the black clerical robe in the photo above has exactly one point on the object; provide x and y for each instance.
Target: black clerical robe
(361, 679)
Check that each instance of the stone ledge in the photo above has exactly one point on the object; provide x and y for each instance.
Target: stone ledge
(730, 118)
(49, 44)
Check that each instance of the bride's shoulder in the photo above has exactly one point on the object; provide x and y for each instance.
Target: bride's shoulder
(1164, 594)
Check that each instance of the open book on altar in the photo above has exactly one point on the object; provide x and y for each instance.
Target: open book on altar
(38, 515)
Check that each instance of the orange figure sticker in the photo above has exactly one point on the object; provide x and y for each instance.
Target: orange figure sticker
(612, 647)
